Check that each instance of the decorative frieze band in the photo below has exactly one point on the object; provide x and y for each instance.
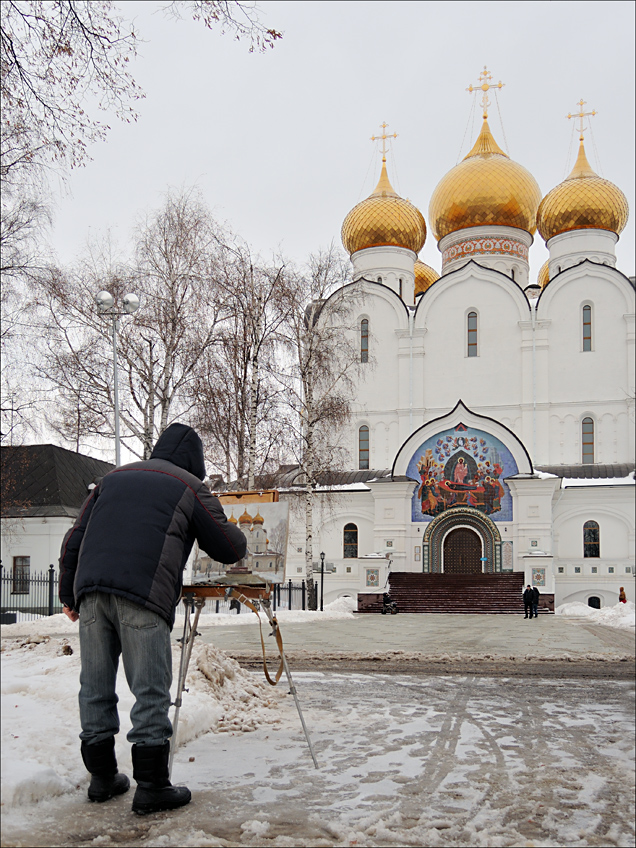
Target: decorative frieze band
(485, 247)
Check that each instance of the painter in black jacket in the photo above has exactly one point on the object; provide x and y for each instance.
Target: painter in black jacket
(121, 570)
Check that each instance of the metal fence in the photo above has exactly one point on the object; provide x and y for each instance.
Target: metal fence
(30, 596)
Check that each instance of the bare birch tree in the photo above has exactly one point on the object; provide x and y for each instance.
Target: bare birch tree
(174, 274)
(319, 375)
(236, 397)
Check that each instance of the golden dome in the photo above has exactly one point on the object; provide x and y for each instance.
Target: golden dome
(486, 189)
(384, 218)
(258, 519)
(544, 275)
(231, 519)
(246, 518)
(425, 276)
(583, 201)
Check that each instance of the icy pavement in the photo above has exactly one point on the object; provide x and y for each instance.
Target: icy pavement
(433, 761)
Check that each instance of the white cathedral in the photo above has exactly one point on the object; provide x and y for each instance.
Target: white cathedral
(494, 432)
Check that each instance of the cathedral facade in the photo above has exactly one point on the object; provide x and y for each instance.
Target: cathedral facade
(492, 426)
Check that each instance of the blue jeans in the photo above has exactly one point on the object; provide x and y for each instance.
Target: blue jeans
(535, 609)
(111, 626)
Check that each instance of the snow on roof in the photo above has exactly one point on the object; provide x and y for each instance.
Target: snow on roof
(598, 481)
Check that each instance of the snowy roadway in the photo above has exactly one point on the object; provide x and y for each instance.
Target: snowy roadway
(404, 760)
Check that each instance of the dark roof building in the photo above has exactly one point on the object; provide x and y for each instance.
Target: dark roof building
(45, 480)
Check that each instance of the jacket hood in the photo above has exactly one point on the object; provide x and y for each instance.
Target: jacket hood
(182, 446)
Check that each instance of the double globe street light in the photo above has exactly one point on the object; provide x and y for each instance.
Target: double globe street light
(106, 307)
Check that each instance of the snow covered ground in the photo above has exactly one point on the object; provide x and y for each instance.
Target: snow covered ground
(622, 616)
(404, 760)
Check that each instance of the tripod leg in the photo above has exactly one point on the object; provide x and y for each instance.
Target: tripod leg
(292, 688)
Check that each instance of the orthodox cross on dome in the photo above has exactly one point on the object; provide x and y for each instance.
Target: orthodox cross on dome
(383, 139)
(484, 85)
(580, 115)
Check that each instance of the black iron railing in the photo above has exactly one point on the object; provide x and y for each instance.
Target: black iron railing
(29, 595)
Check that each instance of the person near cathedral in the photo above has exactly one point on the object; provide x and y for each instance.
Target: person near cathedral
(121, 568)
(528, 599)
(622, 597)
(536, 594)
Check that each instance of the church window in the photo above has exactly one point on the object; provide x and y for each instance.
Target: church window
(364, 340)
(21, 569)
(472, 334)
(400, 282)
(350, 541)
(591, 539)
(512, 273)
(363, 447)
(587, 328)
(587, 440)
(379, 279)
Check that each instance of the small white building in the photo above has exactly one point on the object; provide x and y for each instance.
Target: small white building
(43, 488)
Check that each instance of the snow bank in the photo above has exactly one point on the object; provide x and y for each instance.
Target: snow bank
(338, 609)
(61, 625)
(622, 616)
(40, 721)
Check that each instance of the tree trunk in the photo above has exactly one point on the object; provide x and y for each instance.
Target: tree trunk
(312, 600)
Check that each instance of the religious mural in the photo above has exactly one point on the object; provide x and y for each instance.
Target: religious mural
(462, 467)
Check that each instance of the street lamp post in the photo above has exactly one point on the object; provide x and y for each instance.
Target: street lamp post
(106, 306)
(322, 578)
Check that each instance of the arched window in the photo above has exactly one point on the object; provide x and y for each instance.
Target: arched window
(400, 282)
(512, 273)
(379, 279)
(350, 541)
(363, 447)
(587, 328)
(472, 334)
(364, 340)
(591, 539)
(587, 441)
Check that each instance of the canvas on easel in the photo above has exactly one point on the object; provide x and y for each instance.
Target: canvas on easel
(264, 520)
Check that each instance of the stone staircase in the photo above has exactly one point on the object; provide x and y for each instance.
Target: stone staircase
(457, 593)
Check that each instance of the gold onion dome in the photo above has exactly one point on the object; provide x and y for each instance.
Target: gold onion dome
(384, 219)
(231, 519)
(425, 276)
(544, 275)
(486, 189)
(583, 201)
(246, 518)
(258, 519)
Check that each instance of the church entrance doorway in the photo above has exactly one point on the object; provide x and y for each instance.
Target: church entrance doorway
(462, 552)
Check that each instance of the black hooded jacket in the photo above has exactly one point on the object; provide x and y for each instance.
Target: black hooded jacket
(135, 531)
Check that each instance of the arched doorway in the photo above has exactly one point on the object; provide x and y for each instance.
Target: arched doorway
(462, 552)
(594, 602)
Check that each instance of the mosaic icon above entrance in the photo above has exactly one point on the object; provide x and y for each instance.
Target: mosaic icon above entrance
(462, 467)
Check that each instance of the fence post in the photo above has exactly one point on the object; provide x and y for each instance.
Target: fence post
(289, 606)
(303, 593)
(51, 588)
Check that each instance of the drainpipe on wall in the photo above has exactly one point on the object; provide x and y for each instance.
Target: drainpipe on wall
(411, 321)
(533, 305)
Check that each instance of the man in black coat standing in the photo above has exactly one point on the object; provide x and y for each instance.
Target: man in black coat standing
(121, 568)
(528, 598)
(535, 601)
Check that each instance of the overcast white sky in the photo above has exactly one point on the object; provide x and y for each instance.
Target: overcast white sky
(279, 143)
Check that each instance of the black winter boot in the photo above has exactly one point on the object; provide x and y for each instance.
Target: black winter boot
(154, 790)
(101, 763)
